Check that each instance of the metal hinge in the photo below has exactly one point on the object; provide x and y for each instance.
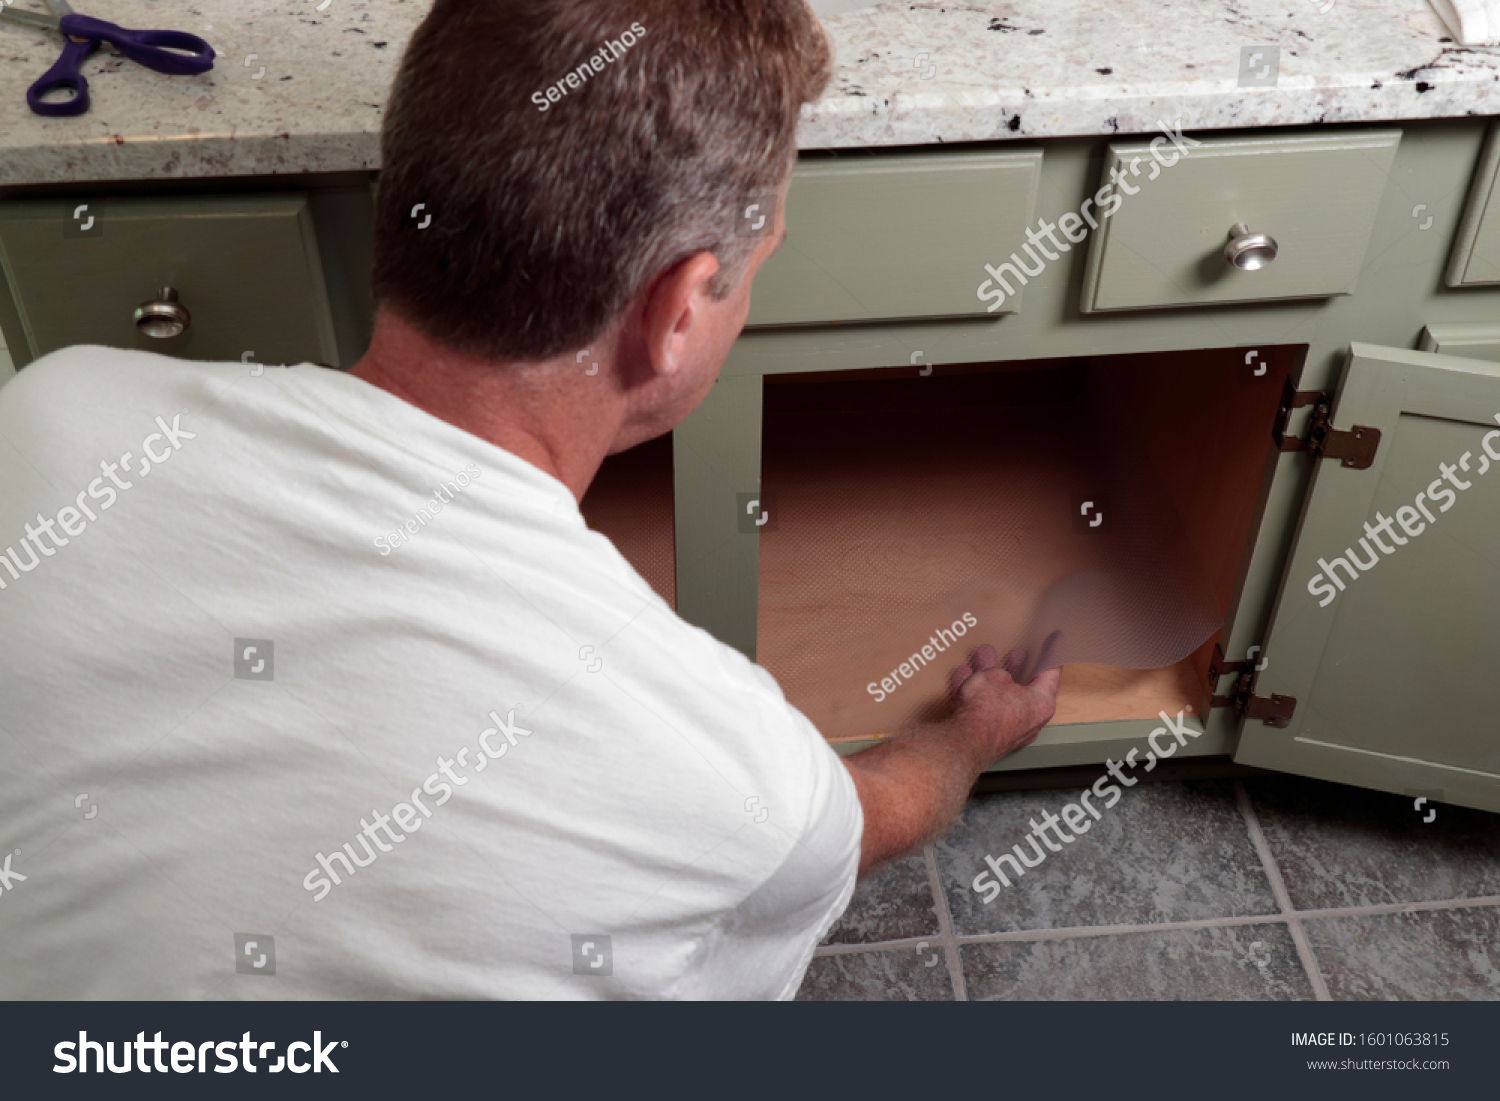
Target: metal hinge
(1355, 447)
(1274, 710)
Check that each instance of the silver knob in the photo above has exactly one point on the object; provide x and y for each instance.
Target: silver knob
(1249, 251)
(163, 317)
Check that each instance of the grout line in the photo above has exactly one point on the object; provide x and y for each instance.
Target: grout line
(872, 946)
(945, 925)
(1085, 931)
(1283, 897)
(1402, 907)
(1081, 932)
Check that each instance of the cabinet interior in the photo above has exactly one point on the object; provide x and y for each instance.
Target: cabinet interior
(896, 502)
(630, 501)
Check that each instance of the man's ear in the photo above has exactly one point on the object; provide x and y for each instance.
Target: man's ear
(674, 312)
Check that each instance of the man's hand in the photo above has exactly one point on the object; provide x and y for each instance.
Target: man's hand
(988, 698)
(913, 787)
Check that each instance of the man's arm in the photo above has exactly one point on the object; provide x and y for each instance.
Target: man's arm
(913, 787)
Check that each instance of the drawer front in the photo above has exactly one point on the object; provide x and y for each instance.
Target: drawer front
(245, 268)
(1476, 247)
(1475, 340)
(893, 237)
(1316, 196)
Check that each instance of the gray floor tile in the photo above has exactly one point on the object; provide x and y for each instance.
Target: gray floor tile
(1164, 852)
(1343, 846)
(1429, 955)
(1235, 963)
(892, 975)
(894, 903)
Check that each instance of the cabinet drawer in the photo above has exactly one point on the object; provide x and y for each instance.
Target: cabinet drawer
(1316, 196)
(896, 236)
(1476, 340)
(1476, 247)
(245, 268)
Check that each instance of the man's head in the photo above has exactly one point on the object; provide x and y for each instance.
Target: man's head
(568, 152)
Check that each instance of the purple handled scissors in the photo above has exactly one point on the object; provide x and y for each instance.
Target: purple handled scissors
(81, 37)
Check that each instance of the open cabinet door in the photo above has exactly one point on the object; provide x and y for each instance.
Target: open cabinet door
(1394, 670)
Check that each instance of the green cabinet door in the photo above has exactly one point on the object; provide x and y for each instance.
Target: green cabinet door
(1387, 627)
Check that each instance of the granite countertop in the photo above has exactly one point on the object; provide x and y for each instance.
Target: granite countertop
(297, 89)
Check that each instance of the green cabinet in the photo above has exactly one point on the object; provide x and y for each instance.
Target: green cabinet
(1384, 685)
(1372, 667)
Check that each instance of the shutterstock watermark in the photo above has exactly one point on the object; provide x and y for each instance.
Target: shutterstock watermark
(1407, 516)
(187, 1057)
(405, 815)
(455, 485)
(612, 50)
(74, 519)
(919, 658)
(1072, 225)
(1073, 816)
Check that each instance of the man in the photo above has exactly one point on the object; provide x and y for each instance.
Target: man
(323, 688)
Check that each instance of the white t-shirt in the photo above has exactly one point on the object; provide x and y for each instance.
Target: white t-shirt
(217, 666)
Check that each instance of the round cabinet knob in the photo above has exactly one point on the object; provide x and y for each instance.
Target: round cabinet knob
(1249, 251)
(163, 317)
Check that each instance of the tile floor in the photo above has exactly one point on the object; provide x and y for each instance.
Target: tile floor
(1270, 887)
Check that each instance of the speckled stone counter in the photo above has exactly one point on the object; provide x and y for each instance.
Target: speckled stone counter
(299, 90)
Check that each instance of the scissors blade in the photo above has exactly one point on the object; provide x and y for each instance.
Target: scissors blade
(59, 8)
(30, 18)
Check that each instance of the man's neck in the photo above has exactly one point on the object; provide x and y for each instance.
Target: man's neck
(526, 408)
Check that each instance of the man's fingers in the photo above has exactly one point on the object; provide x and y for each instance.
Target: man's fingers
(1050, 652)
(1047, 682)
(1015, 661)
(981, 658)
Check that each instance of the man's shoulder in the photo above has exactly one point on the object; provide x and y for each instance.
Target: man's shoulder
(85, 358)
(85, 375)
